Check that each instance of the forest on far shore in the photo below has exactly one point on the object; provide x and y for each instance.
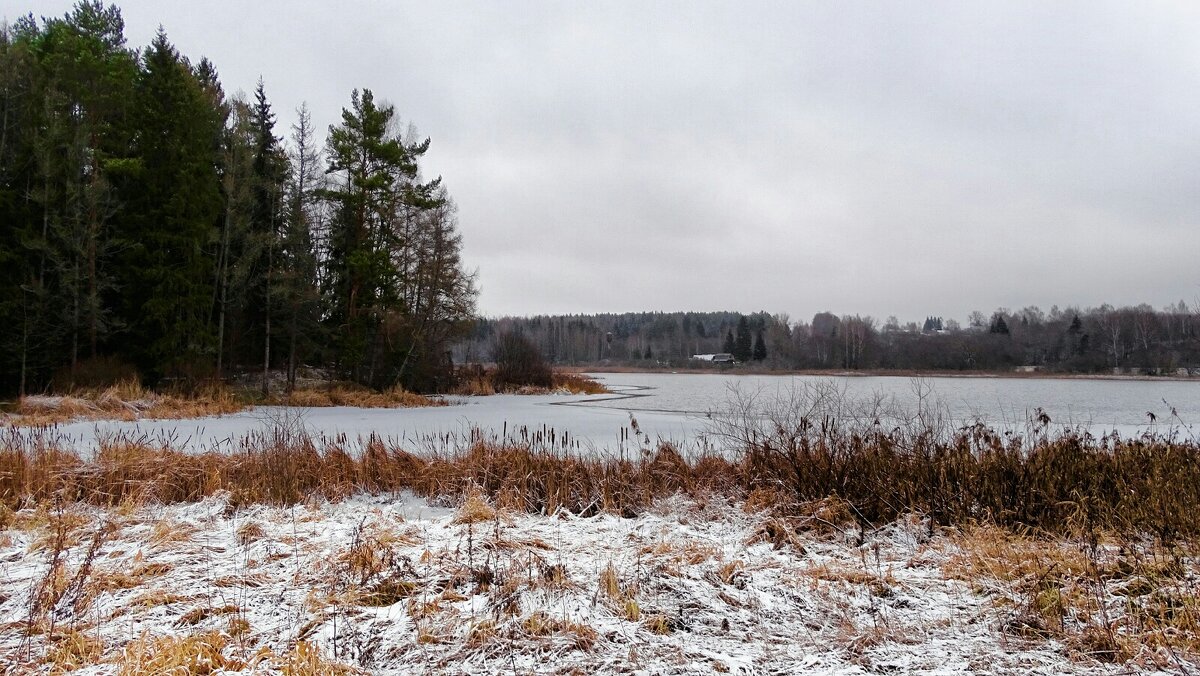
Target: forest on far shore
(157, 227)
(1136, 339)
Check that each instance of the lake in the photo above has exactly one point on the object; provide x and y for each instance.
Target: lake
(677, 407)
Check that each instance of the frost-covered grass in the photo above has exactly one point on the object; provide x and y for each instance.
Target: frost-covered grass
(129, 401)
(814, 548)
(126, 400)
(393, 584)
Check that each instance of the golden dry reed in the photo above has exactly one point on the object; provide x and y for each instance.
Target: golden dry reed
(1073, 482)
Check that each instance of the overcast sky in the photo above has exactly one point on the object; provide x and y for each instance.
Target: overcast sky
(912, 159)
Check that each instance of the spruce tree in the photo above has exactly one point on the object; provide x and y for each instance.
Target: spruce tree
(167, 270)
(760, 347)
(91, 74)
(743, 347)
(999, 326)
(269, 173)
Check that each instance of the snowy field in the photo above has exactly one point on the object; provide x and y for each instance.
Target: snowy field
(395, 585)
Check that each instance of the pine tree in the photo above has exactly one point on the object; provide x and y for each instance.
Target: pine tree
(235, 251)
(167, 269)
(729, 346)
(760, 347)
(999, 326)
(395, 281)
(91, 75)
(742, 347)
(269, 173)
(368, 161)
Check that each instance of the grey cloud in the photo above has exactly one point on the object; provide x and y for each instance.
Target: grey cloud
(904, 158)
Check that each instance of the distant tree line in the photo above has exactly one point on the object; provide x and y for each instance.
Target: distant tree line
(152, 223)
(1074, 340)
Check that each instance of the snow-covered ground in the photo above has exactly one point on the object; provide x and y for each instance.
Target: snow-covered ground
(395, 585)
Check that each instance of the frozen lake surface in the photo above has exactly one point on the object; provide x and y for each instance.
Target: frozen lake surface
(676, 407)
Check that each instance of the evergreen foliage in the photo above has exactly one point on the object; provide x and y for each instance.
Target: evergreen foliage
(999, 326)
(743, 349)
(149, 220)
(760, 347)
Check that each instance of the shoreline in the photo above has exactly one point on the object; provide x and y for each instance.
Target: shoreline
(874, 373)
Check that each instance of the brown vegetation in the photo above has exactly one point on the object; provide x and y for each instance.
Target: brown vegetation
(1064, 589)
(1129, 600)
(355, 395)
(1071, 483)
(577, 383)
(477, 381)
(129, 400)
(126, 400)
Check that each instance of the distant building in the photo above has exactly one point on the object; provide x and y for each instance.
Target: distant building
(718, 358)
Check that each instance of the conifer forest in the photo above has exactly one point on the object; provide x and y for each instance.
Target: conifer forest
(155, 224)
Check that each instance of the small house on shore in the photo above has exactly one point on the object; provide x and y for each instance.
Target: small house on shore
(718, 358)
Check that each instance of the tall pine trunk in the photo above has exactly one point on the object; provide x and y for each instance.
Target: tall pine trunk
(266, 382)
(223, 288)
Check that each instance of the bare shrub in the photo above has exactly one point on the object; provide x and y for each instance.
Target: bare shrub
(519, 363)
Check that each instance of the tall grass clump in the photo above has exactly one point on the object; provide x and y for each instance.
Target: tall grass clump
(126, 400)
(1070, 482)
(885, 461)
(348, 394)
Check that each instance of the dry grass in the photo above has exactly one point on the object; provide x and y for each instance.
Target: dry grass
(250, 532)
(306, 660)
(108, 580)
(678, 577)
(475, 509)
(480, 382)
(201, 653)
(344, 394)
(73, 650)
(129, 400)
(478, 385)
(620, 596)
(158, 597)
(825, 481)
(1069, 590)
(126, 400)
(576, 383)
(540, 625)
(198, 615)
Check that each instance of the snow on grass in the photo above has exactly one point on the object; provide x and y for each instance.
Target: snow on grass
(396, 585)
